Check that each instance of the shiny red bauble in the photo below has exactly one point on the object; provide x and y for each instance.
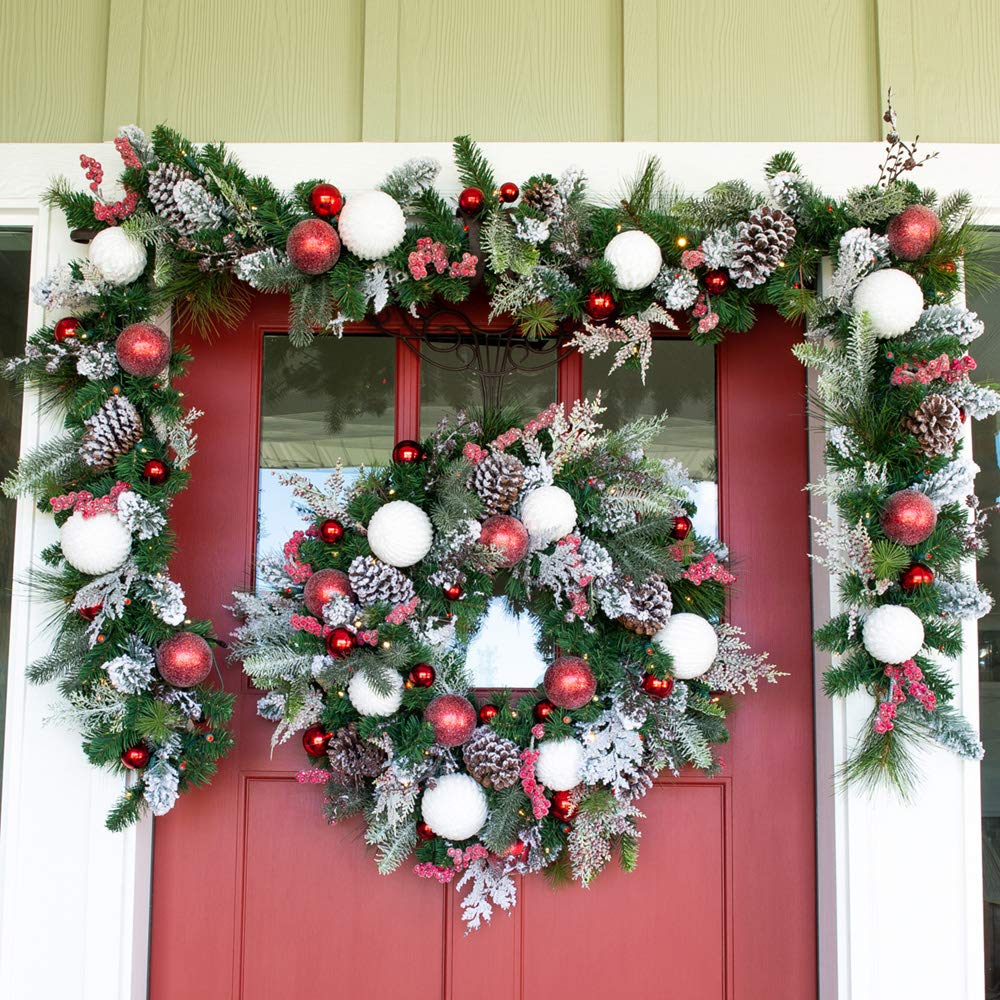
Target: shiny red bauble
(143, 349)
(134, 757)
(453, 591)
(66, 328)
(340, 643)
(155, 471)
(916, 576)
(563, 806)
(508, 192)
(313, 246)
(599, 305)
(569, 682)
(322, 587)
(407, 452)
(424, 832)
(657, 687)
(90, 613)
(682, 527)
(315, 740)
(487, 713)
(543, 710)
(508, 536)
(331, 531)
(716, 282)
(184, 660)
(471, 201)
(326, 201)
(518, 850)
(453, 719)
(422, 675)
(908, 517)
(912, 233)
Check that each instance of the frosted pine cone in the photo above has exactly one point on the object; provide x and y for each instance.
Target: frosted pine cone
(162, 182)
(650, 606)
(375, 582)
(492, 760)
(761, 244)
(498, 480)
(352, 757)
(543, 194)
(936, 424)
(114, 430)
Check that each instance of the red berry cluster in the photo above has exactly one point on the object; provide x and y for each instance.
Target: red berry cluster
(113, 211)
(95, 172)
(127, 153)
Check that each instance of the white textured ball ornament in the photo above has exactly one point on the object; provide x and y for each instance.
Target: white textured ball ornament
(893, 301)
(400, 533)
(893, 634)
(368, 701)
(635, 257)
(548, 513)
(691, 642)
(95, 545)
(560, 764)
(118, 257)
(455, 808)
(371, 224)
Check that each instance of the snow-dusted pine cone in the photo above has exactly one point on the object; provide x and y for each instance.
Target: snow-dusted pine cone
(375, 582)
(162, 182)
(114, 430)
(936, 424)
(492, 760)
(353, 757)
(761, 244)
(498, 480)
(651, 605)
(542, 193)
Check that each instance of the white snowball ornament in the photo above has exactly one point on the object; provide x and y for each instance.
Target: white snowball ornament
(95, 545)
(455, 808)
(892, 299)
(368, 701)
(400, 533)
(691, 642)
(893, 634)
(371, 224)
(635, 257)
(560, 764)
(548, 513)
(118, 257)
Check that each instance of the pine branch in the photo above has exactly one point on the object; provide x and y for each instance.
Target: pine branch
(474, 169)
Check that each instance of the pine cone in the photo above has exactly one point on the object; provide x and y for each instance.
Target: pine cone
(492, 760)
(936, 424)
(352, 757)
(162, 182)
(761, 244)
(542, 193)
(375, 582)
(498, 480)
(114, 430)
(651, 605)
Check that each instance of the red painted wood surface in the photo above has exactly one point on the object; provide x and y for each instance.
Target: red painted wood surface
(255, 897)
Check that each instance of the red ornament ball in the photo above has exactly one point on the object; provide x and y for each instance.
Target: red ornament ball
(716, 282)
(184, 660)
(518, 850)
(407, 452)
(66, 328)
(322, 587)
(453, 592)
(913, 232)
(569, 682)
(326, 201)
(599, 305)
(453, 719)
(313, 246)
(143, 349)
(487, 713)
(340, 642)
(908, 517)
(422, 675)
(156, 472)
(315, 740)
(563, 806)
(508, 192)
(424, 832)
(331, 531)
(134, 757)
(543, 710)
(89, 614)
(682, 527)
(657, 687)
(917, 575)
(506, 533)
(471, 201)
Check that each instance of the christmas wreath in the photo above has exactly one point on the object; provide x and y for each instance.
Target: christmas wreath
(361, 641)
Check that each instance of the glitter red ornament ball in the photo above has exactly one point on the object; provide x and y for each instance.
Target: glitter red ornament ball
(134, 757)
(322, 587)
(453, 719)
(422, 675)
(508, 535)
(143, 349)
(313, 246)
(89, 614)
(155, 471)
(543, 710)
(913, 232)
(453, 591)
(331, 531)
(682, 527)
(471, 201)
(407, 452)
(569, 682)
(716, 282)
(908, 517)
(916, 576)
(424, 832)
(657, 687)
(340, 643)
(184, 660)
(508, 192)
(599, 305)
(563, 806)
(315, 740)
(487, 713)
(326, 201)
(66, 328)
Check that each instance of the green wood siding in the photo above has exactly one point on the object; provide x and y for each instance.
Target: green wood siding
(322, 70)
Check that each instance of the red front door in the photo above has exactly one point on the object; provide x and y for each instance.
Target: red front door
(255, 897)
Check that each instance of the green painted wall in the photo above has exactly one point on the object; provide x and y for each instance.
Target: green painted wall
(323, 70)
